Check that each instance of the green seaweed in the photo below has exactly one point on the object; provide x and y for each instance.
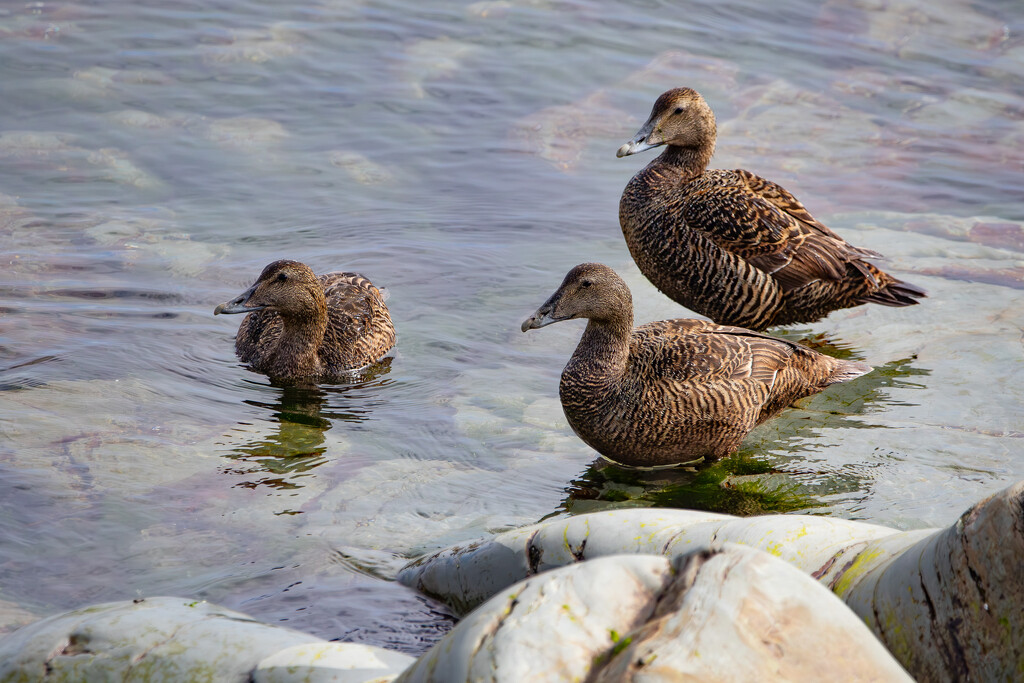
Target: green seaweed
(708, 488)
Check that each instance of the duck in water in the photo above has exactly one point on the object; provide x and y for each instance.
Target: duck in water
(300, 326)
(731, 245)
(674, 391)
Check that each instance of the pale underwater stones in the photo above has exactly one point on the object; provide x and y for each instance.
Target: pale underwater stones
(489, 9)
(716, 79)
(782, 128)
(95, 429)
(151, 239)
(360, 168)
(135, 118)
(57, 154)
(976, 249)
(165, 638)
(914, 29)
(246, 133)
(32, 148)
(560, 134)
(255, 46)
(967, 110)
(109, 79)
(118, 168)
(948, 603)
(104, 83)
(734, 614)
(406, 503)
(432, 59)
(1008, 66)
(14, 218)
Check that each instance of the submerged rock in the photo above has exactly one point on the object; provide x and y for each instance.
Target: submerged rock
(561, 133)
(149, 238)
(782, 128)
(101, 83)
(360, 168)
(246, 133)
(57, 154)
(431, 59)
(256, 46)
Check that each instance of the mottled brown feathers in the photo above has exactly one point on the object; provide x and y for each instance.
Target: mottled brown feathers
(675, 390)
(731, 245)
(300, 326)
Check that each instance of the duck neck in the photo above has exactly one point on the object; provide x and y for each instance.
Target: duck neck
(689, 161)
(604, 347)
(297, 351)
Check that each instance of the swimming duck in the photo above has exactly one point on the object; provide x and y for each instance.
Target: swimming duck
(301, 326)
(730, 244)
(672, 391)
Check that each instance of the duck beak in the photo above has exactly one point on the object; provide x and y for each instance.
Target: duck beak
(641, 142)
(537, 320)
(544, 315)
(237, 305)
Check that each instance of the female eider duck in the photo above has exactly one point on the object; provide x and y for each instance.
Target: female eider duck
(731, 245)
(673, 391)
(301, 326)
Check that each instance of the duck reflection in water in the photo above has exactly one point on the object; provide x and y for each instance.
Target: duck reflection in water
(303, 413)
(779, 467)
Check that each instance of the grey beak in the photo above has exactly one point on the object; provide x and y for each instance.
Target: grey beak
(640, 142)
(536, 320)
(237, 305)
(544, 315)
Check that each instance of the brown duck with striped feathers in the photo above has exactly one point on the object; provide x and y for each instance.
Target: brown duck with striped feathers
(731, 245)
(300, 326)
(672, 391)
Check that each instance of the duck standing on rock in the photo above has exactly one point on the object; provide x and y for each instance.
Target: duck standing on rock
(730, 244)
(300, 326)
(673, 391)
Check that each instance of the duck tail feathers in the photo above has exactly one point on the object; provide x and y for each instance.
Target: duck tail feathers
(896, 293)
(846, 370)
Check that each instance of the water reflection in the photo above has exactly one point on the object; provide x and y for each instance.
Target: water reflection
(302, 414)
(776, 469)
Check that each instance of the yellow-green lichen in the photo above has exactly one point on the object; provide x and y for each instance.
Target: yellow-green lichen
(862, 563)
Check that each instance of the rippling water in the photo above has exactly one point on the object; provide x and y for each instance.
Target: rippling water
(462, 156)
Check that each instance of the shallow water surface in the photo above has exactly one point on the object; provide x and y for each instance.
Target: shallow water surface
(462, 155)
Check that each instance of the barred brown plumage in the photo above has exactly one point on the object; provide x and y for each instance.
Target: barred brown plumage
(731, 245)
(672, 391)
(300, 326)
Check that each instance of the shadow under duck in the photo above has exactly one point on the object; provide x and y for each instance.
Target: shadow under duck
(672, 391)
(732, 245)
(300, 326)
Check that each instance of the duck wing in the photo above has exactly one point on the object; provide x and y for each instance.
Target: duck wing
(767, 226)
(349, 299)
(359, 329)
(704, 353)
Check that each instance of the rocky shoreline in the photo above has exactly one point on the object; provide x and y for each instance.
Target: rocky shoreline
(616, 595)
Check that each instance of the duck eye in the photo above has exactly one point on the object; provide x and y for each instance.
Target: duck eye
(679, 110)
(281, 277)
(585, 283)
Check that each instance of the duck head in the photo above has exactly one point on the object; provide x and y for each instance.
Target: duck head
(590, 290)
(287, 287)
(680, 118)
